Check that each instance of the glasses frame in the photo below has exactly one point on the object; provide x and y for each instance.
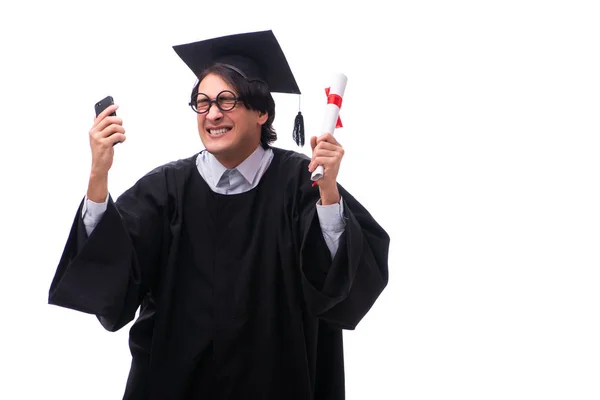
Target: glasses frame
(193, 104)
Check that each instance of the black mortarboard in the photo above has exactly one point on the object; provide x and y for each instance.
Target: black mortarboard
(255, 55)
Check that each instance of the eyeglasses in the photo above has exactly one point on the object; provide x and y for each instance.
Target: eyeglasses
(226, 100)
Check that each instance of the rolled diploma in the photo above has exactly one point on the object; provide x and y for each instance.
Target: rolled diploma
(338, 85)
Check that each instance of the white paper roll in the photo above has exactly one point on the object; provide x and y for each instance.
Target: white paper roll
(338, 86)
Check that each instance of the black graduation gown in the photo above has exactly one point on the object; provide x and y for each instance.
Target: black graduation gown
(238, 295)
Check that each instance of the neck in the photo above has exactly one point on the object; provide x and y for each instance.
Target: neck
(233, 160)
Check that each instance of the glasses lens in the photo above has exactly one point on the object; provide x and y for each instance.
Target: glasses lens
(226, 100)
(201, 104)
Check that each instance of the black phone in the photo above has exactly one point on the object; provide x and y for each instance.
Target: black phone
(103, 104)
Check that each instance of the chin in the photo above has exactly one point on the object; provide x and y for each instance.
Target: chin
(216, 148)
(216, 145)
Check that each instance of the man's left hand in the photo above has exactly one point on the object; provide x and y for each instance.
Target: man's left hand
(326, 151)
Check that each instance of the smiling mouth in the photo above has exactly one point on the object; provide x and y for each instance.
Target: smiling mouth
(218, 132)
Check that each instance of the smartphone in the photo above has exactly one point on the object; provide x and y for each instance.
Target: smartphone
(103, 104)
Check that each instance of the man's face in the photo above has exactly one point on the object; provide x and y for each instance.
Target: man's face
(230, 136)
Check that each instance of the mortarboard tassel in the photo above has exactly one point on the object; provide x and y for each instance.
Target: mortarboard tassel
(299, 129)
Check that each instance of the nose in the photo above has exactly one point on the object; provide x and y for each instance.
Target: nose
(214, 114)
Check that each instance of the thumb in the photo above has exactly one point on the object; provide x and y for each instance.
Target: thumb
(313, 142)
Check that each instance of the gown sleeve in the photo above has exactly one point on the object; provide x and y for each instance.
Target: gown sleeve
(109, 273)
(341, 291)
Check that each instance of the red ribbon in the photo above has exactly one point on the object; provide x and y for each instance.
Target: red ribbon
(337, 100)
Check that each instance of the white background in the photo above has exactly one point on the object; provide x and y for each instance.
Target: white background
(471, 133)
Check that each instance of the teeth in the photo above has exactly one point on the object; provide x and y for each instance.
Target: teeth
(218, 131)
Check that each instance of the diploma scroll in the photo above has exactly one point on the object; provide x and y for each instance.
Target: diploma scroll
(332, 110)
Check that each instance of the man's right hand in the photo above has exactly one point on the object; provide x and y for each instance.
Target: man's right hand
(105, 133)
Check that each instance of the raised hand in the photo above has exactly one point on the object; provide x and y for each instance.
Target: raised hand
(105, 133)
(329, 153)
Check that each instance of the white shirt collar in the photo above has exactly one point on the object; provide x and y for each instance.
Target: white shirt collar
(249, 167)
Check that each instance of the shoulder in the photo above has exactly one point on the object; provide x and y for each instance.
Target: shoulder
(183, 165)
(294, 177)
(167, 176)
(291, 160)
(158, 186)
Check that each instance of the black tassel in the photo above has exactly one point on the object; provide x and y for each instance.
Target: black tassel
(299, 129)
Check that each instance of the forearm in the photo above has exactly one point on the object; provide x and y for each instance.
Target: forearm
(329, 195)
(98, 187)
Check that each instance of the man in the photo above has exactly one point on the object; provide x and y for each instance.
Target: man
(245, 274)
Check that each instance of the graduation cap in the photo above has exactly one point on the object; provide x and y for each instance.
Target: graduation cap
(257, 56)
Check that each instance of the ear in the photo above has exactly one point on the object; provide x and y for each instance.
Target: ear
(262, 117)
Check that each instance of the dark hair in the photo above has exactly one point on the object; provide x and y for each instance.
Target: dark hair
(255, 96)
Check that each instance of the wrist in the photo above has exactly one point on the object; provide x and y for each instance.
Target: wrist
(98, 187)
(329, 195)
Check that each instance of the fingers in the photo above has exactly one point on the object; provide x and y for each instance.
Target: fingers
(107, 126)
(327, 146)
(109, 110)
(313, 142)
(326, 142)
(112, 129)
(118, 137)
(329, 156)
(323, 152)
(104, 119)
(326, 157)
(98, 137)
(105, 122)
(105, 133)
(326, 162)
(326, 151)
(327, 137)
